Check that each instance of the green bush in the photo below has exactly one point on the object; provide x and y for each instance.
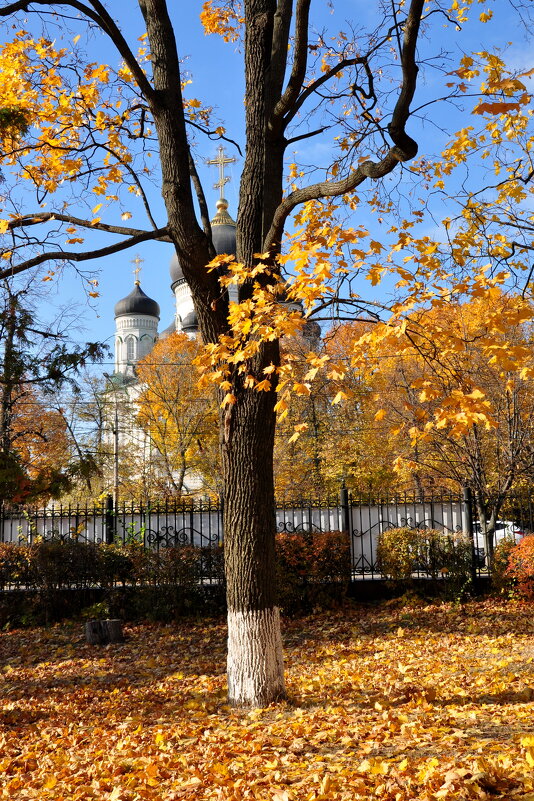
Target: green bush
(180, 566)
(397, 553)
(14, 565)
(406, 553)
(56, 564)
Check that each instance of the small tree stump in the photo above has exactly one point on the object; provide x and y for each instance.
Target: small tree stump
(102, 632)
(113, 630)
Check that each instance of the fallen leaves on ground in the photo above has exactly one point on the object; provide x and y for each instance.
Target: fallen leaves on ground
(390, 703)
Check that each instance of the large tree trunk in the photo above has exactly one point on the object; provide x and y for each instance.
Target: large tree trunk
(255, 663)
(255, 670)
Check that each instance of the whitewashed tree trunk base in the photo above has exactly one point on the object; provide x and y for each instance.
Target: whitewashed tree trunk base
(255, 660)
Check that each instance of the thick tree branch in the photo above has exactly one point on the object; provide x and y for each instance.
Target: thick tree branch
(369, 169)
(192, 245)
(300, 60)
(64, 255)
(279, 50)
(396, 128)
(405, 148)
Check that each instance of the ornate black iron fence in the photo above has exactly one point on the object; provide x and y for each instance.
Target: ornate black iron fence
(200, 523)
(368, 518)
(153, 524)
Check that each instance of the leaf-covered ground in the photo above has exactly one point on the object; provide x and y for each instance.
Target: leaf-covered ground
(387, 703)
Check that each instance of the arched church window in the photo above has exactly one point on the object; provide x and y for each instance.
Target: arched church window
(130, 349)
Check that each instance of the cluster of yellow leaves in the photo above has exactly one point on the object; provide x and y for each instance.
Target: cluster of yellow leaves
(223, 18)
(265, 316)
(59, 115)
(66, 114)
(318, 252)
(505, 141)
(392, 703)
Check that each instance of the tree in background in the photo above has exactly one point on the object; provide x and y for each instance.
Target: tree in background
(41, 467)
(86, 416)
(34, 361)
(337, 443)
(357, 453)
(179, 418)
(490, 446)
(92, 128)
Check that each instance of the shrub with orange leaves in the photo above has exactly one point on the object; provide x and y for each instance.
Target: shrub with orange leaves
(313, 569)
(501, 579)
(521, 566)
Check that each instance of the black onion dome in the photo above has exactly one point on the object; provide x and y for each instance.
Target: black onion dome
(175, 271)
(223, 237)
(137, 303)
(190, 322)
(311, 330)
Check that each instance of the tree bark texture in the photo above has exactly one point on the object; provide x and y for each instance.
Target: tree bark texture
(255, 670)
(255, 666)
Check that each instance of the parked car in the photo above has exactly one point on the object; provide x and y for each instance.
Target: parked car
(504, 529)
(480, 557)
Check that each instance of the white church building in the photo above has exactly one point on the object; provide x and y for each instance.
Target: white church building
(137, 320)
(137, 316)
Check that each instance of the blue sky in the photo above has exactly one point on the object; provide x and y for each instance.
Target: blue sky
(216, 72)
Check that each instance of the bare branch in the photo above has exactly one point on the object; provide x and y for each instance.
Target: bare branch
(64, 255)
(49, 216)
(405, 148)
(214, 135)
(308, 135)
(136, 181)
(201, 197)
(313, 87)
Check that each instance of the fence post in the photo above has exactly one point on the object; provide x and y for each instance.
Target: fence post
(345, 508)
(467, 515)
(221, 507)
(344, 503)
(110, 519)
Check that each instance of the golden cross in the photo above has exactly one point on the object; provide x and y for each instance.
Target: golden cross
(220, 160)
(137, 261)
